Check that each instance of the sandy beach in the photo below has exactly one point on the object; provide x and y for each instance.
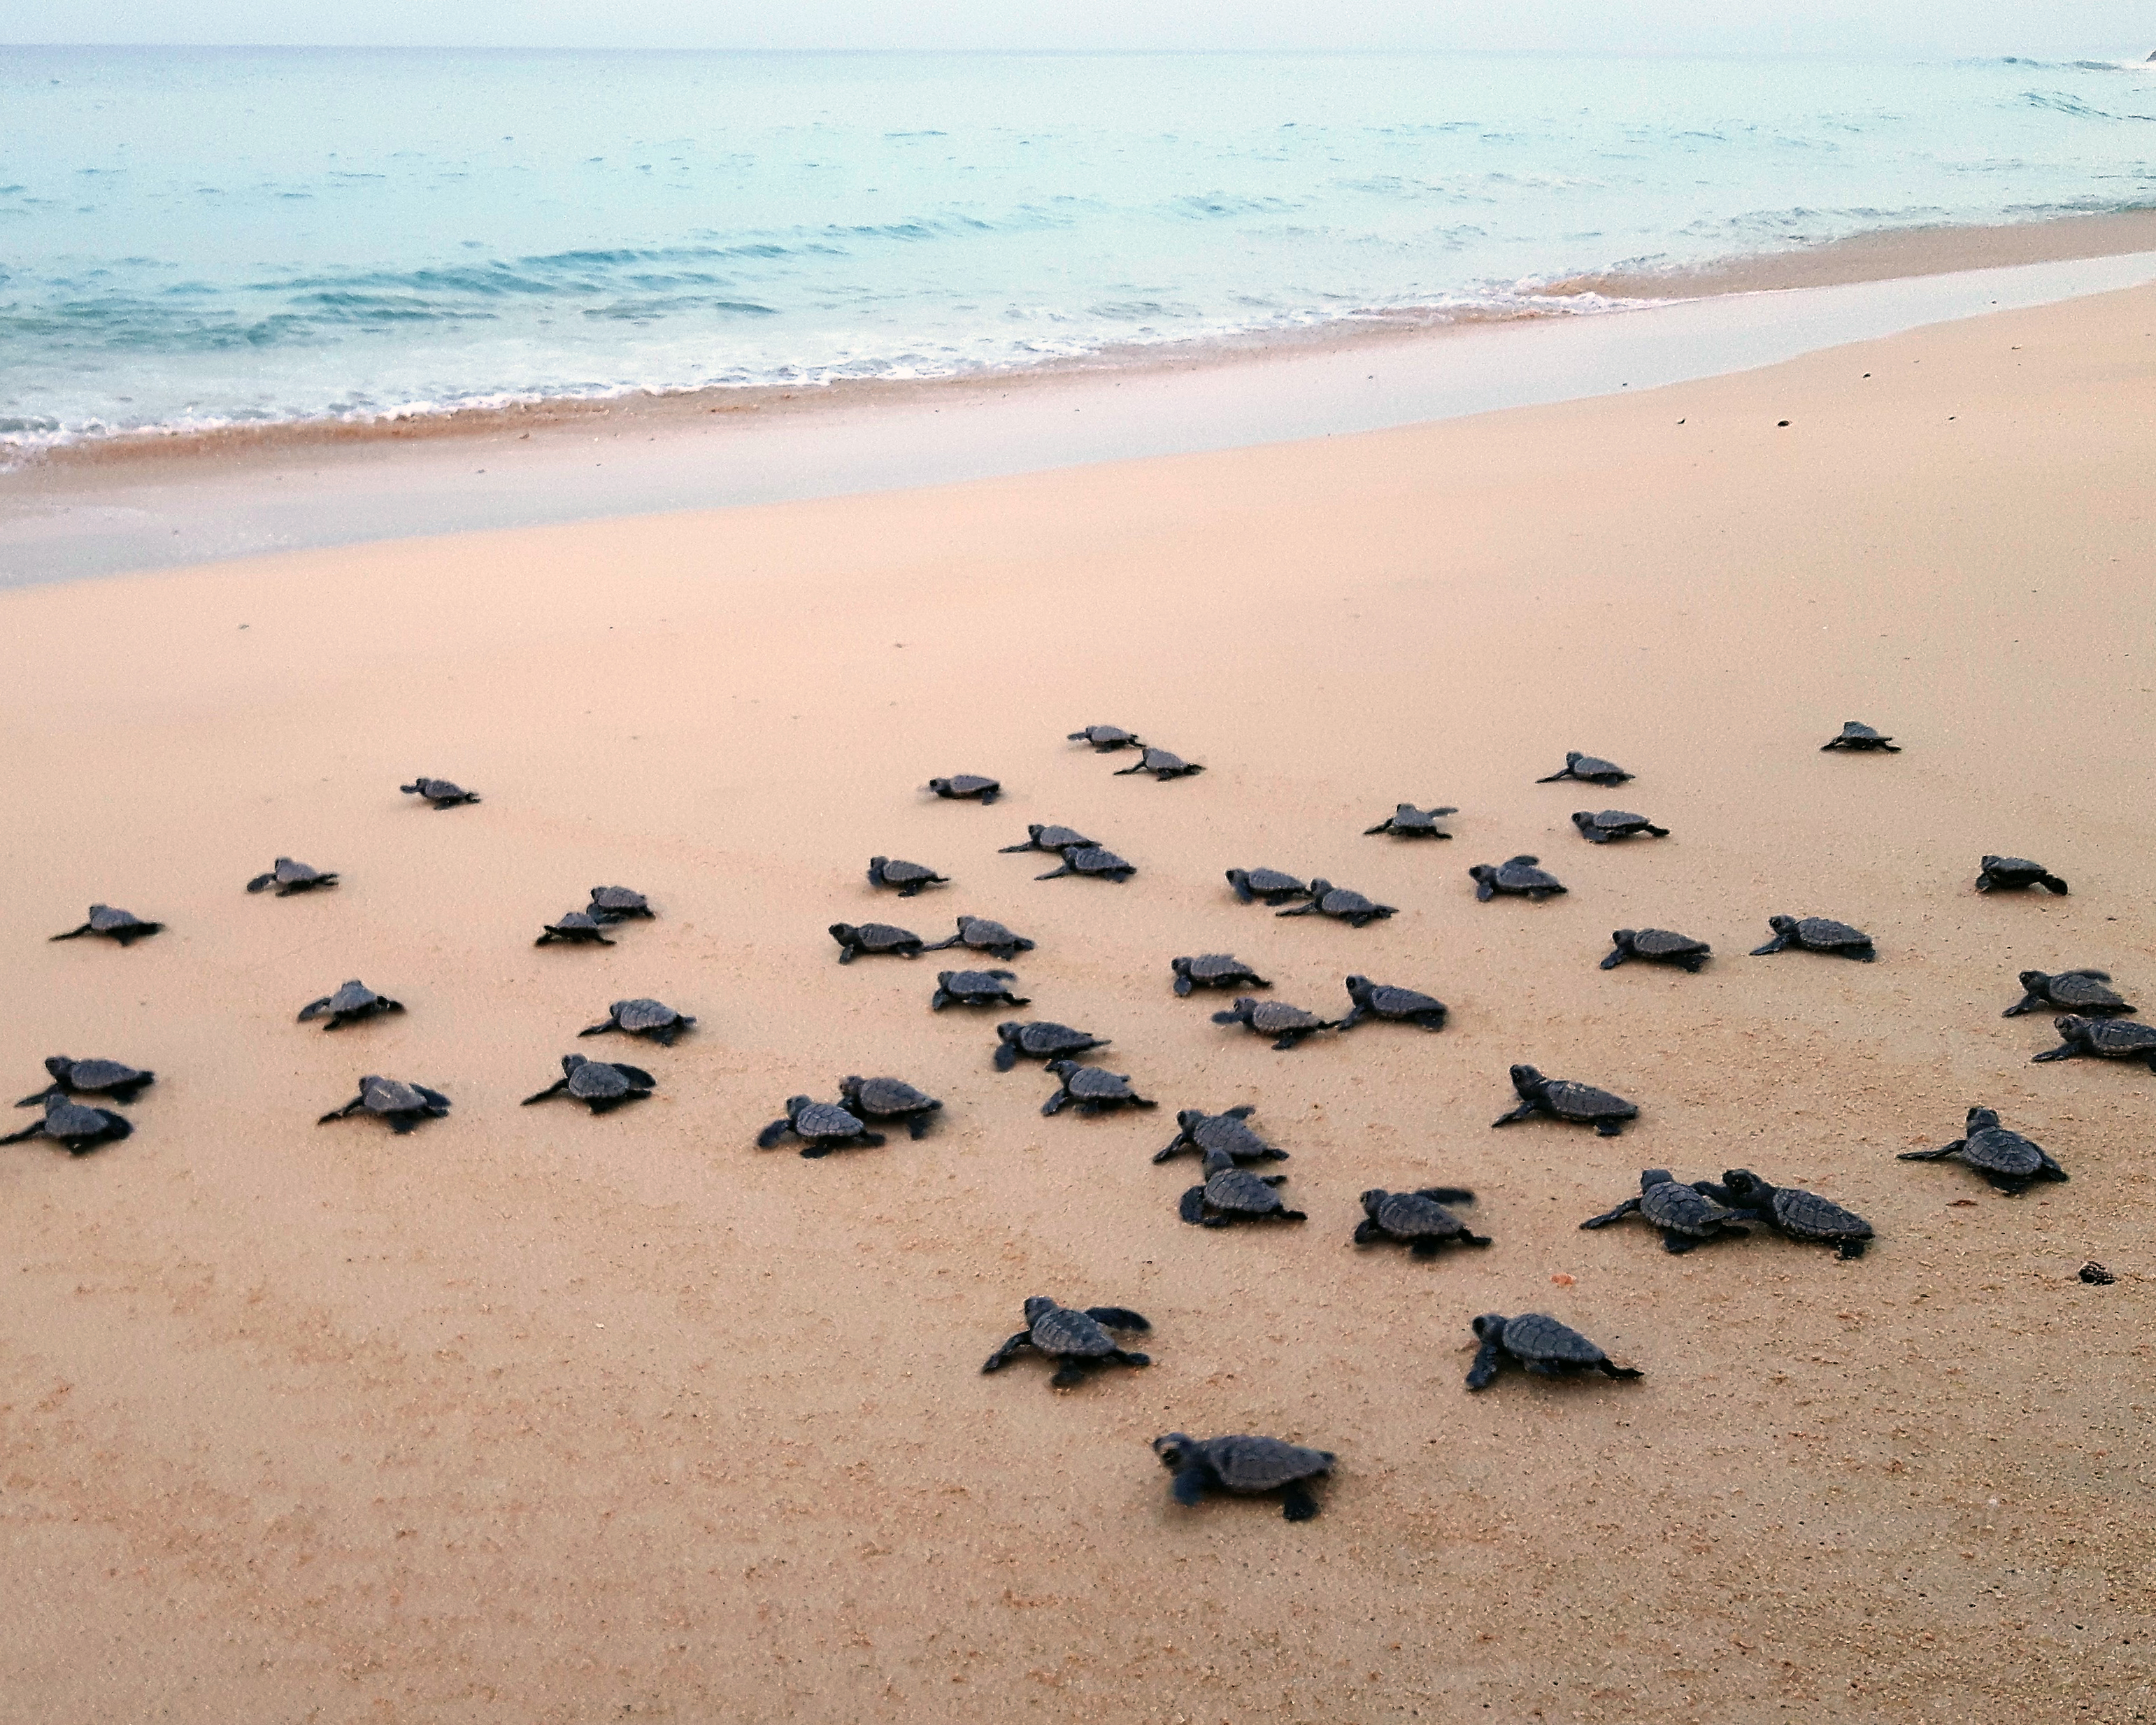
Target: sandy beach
(542, 1417)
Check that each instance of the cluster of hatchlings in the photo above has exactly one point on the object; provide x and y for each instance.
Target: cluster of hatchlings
(2094, 1021)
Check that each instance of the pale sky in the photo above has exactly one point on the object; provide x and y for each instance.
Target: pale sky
(2036, 28)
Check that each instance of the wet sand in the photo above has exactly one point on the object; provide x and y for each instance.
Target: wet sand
(539, 1416)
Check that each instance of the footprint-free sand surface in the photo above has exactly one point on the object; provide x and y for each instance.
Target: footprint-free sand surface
(541, 1416)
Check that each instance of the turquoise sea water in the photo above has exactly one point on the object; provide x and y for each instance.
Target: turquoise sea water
(199, 238)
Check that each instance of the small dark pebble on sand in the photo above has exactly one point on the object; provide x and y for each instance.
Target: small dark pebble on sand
(2096, 1275)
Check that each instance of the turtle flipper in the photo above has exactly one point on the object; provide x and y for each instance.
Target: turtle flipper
(1489, 1361)
(23, 1136)
(1776, 944)
(1125, 1357)
(1607, 1128)
(1307, 908)
(1525, 1111)
(1610, 1370)
(1846, 1250)
(1608, 1216)
(1069, 1375)
(1297, 1502)
(2052, 884)
(1190, 1484)
(2065, 1051)
(2049, 1169)
(1369, 1233)
(1446, 1194)
(1054, 873)
(1932, 1155)
(262, 882)
(314, 1009)
(552, 1089)
(338, 1114)
(768, 1138)
(1676, 1244)
(1003, 1356)
(2027, 1003)
(1116, 1317)
(38, 1100)
(1191, 1209)
(1425, 1247)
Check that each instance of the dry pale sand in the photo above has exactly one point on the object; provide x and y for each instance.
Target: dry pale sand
(533, 1416)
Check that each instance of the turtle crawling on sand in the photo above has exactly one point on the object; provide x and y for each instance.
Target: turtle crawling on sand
(2081, 991)
(89, 1077)
(289, 878)
(965, 787)
(2009, 1162)
(2016, 873)
(1270, 884)
(907, 878)
(603, 1085)
(889, 1098)
(984, 934)
(1246, 1466)
(1231, 1192)
(1418, 1220)
(1657, 946)
(1818, 933)
(1214, 970)
(1204, 1133)
(578, 927)
(975, 988)
(1538, 1343)
(443, 793)
(1587, 768)
(855, 938)
(1516, 875)
(1404, 1006)
(614, 904)
(1409, 821)
(1097, 861)
(1285, 1024)
(1685, 1214)
(1799, 1214)
(402, 1106)
(1049, 838)
(1860, 740)
(1561, 1098)
(121, 925)
(1078, 1339)
(1341, 904)
(822, 1127)
(1613, 824)
(1162, 765)
(1106, 738)
(351, 1004)
(78, 1129)
(652, 1019)
(1091, 1090)
(2106, 1038)
(1040, 1040)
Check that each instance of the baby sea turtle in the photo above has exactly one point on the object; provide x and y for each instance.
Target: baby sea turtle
(89, 1077)
(1518, 875)
(2009, 1162)
(822, 1127)
(603, 1084)
(889, 1098)
(1341, 904)
(1600, 829)
(574, 928)
(1588, 768)
(613, 904)
(1285, 1024)
(1245, 1465)
(1409, 821)
(1801, 1215)
(1079, 1340)
(1107, 737)
(443, 793)
(1860, 738)
(1040, 1040)
(1418, 1220)
(1049, 838)
(652, 1019)
(402, 1106)
(80, 1129)
(1658, 946)
(1230, 1192)
(965, 786)
(2017, 873)
(1685, 1214)
(1539, 1343)
(2106, 1038)
(1095, 860)
(1270, 884)
(351, 1003)
(855, 938)
(1375, 1000)
(1089, 1089)
(1562, 1099)
(982, 935)
(1161, 764)
(974, 988)
(908, 878)
(1818, 933)
(1214, 970)
(1204, 1133)
(2081, 992)
(121, 925)
(289, 878)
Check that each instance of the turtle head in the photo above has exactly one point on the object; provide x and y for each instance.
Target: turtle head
(1526, 1078)
(1484, 872)
(1181, 966)
(1174, 1450)
(875, 863)
(1218, 1161)
(1490, 1326)
(1624, 937)
(2070, 1025)
(939, 785)
(570, 1062)
(2036, 981)
(1319, 887)
(1573, 757)
(1037, 1307)
(1655, 1176)
(794, 1105)
(60, 1066)
(1358, 987)
(1236, 877)
(1744, 1184)
(1062, 1068)
(1008, 1030)
(1582, 819)
(1373, 1199)
(844, 931)
(1035, 829)
(1783, 924)
(943, 978)
(1190, 1118)
(1982, 1119)
(850, 1086)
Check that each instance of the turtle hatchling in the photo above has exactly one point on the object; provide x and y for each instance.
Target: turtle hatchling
(1418, 1220)
(906, 878)
(1403, 1006)
(402, 1106)
(1246, 1466)
(1097, 861)
(1409, 821)
(1860, 740)
(982, 934)
(1518, 875)
(1231, 1193)
(962, 787)
(1657, 946)
(1561, 1098)
(1600, 829)
(889, 1098)
(855, 938)
(2081, 991)
(613, 904)
(289, 878)
(70, 1124)
(121, 925)
(1077, 1339)
(2009, 1162)
(1162, 765)
(1791, 1210)
(1040, 1040)
(89, 1077)
(1818, 933)
(574, 928)
(1106, 738)
(1285, 1024)
(604, 1084)
(1538, 1343)
(2016, 872)
(1685, 1214)
(350, 1004)
(1214, 970)
(2106, 1038)
(1270, 884)
(1204, 1132)
(1049, 838)
(1341, 904)
(1588, 768)
(1089, 1089)
(443, 793)
(822, 1127)
(974, 988)
(652, 1019)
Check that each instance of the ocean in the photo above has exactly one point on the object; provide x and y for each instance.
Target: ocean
(194, 239)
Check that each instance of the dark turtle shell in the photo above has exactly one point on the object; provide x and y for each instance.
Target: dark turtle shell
(1345, 902)
(1997, 1150)
(1537, 1335)
(1668, 1204)
(1607, 824)
(604, 1080)
(2078, 990)
(874, 938)
(967, 785)
(1823, 933)
(1050, 838)
(1806, 1216)
(121, 925)
(1383, 1001)
(908, 876)
(1272, 1017)
(1585, 1102)
(1588, 767)
(289, 876)
(886, 1098)
(1063, 1329)
(1517, 874)
(2109, 1038)
(1162, 763)
(1214, 970)
(612, 904)
(354, 999)
(1661, 946)
(1105, 737)
(1041, 1040)
(1092, 859)
(1409, 821)
(89, 1077)
(1271, 884)
(1239, 1190)
(645, 1017)
(1249, 1464)
(826, 1119)
(1411, 1216)
(443, 793)
(976, 988)
(1859, 736)
(578, 926)
(1226, 1133)
(1090, 1084)
(985, 935)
